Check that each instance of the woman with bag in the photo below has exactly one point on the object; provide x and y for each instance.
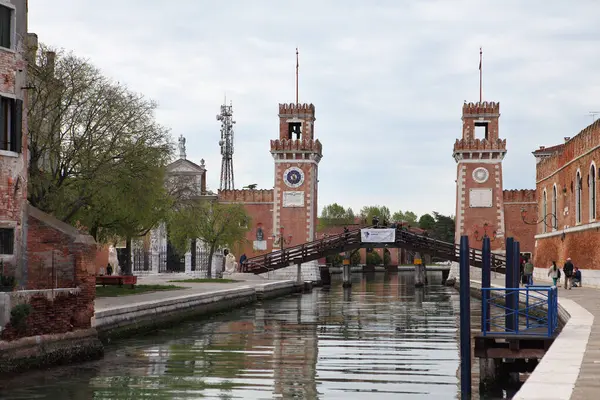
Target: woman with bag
(554, 273)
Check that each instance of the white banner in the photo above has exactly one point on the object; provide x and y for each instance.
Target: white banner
(378, 235)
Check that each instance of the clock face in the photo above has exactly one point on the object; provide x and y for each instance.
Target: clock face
(293, 177)
(480, 175)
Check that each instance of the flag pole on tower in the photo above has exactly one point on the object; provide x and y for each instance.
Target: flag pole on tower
(297, 66)
(480, 75)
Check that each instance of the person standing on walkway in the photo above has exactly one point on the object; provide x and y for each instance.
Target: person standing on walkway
(528, 272)
(554, 273)
(568, 270)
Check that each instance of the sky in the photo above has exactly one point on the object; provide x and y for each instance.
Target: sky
(388, 80)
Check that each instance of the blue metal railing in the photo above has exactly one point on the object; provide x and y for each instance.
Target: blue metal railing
(539, 316)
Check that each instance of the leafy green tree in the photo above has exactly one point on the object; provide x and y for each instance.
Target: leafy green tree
(407, 216)
(426, 222)
(218, 225)
(97, 154)
(373, 258)
(444, 228)
(355, 257)
(368, 212)
(334, 260)
(387, 257)
(335, 215)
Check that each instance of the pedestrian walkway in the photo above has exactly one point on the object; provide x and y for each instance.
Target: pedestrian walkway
(103, 303)
(587, 384)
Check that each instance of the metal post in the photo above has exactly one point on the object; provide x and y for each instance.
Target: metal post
(299, 272)
(486, 255)
(465, 319)
(516, 278)
(509, 282)
(346, 274)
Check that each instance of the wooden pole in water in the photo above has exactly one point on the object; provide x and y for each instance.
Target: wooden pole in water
(465, 319)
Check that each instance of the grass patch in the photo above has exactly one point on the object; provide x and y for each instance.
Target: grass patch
(206, 280)
(126, 290)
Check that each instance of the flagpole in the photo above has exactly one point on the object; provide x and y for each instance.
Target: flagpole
(297, 65)
(480, 76)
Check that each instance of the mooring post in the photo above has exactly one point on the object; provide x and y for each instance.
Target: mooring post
(299, 273)
(509, 320)
(486, 256)
(346, 276)
(465, 319)
(516, 279)
(419, 271)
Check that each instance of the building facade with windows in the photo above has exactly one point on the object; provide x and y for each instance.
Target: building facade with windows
(567, 180)
(13, 133)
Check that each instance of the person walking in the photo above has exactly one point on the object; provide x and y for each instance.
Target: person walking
(554, 273)
(528, 272)
(568, 270)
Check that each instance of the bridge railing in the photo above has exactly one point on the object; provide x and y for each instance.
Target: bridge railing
(352, 240)
(538, 317)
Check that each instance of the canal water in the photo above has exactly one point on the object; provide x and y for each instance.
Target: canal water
(381, 338)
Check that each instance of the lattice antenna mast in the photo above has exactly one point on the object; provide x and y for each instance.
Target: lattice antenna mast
(226, 144)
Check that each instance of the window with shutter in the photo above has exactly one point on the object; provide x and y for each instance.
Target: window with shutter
(5, 118)
(7, 240)
(5, 28)
(16, 129)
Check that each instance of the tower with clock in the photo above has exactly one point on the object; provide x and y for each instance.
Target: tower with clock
(296, 155)
(479, 192)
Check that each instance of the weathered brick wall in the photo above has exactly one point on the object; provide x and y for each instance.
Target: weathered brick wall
(13, 165)
(582, 247)
(579, 154)
(77, 252)
(573, 148)
(514, 201)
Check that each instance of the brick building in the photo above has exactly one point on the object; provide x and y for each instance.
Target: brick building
(287, 214)
(51, 260)
(483, 207)
(567, 180)
(13, 134)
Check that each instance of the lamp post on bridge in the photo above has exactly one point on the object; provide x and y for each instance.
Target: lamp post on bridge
(280, 240)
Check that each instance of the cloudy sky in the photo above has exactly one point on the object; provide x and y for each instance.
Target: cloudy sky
(388, 80)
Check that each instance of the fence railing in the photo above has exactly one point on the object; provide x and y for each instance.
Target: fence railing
(538, 317)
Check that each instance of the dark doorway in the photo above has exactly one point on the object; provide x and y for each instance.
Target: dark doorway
(175, 262)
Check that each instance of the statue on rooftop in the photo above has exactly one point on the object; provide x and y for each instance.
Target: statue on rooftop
(181, 147)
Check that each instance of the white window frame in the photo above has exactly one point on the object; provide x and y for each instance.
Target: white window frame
(13, 26)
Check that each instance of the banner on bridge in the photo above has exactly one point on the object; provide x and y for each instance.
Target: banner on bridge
(378, 235)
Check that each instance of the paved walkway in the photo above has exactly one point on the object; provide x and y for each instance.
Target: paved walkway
(587, 384)
(104, 303)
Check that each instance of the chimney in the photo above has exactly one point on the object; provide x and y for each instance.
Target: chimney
(567, 138)
(542, 147)
(31, 43)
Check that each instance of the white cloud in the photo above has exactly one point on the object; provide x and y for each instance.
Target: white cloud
(388, 79)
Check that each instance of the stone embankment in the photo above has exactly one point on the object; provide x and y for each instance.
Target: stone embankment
(124, 316)
(569, 369)
(165, 308)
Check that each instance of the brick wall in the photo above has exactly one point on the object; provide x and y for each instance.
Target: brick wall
(582, 247)
(514, 201)
(13, 164)
(578, 154)
(74, 267)
(580, 242)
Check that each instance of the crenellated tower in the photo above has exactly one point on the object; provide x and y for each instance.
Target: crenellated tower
(296, 155)
(479, 195)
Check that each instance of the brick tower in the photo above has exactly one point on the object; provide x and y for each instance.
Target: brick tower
(296, 155)
(479, 155)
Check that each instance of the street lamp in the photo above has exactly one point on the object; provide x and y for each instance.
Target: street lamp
(485, 233)
(552, 225)
(280, 240)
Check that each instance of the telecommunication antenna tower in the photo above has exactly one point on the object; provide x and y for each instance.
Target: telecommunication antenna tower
(226, 144)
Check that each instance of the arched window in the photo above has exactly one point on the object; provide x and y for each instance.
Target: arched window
(578, 198)
(592, 187)
(554, 208)
(544, 212)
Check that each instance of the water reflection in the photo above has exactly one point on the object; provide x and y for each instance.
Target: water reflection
(381, 337)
